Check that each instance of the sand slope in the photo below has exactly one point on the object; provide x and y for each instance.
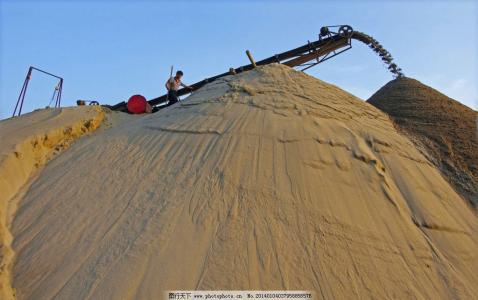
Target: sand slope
(444, 127)
(27, 142)
(270, 179)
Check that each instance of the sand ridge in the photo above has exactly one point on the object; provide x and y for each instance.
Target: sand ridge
(27, 143)
(270, 179)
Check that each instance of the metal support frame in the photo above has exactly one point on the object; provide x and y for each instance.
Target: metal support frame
(56, 93)
(323, 58)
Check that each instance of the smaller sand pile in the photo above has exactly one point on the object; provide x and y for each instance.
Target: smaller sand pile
(445, 128)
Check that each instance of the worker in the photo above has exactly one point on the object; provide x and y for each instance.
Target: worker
(172, 85)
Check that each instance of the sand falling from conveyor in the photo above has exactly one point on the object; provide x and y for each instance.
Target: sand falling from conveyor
(380, 50)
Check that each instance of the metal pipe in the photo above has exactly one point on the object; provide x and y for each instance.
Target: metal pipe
(25, 91)
(19, 96)
(39, 70)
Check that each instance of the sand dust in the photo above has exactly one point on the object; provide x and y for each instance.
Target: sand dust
(269, 179)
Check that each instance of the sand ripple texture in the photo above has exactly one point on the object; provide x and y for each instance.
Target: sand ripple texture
(270, 179)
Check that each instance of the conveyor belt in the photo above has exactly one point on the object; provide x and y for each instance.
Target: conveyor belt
(328, 45)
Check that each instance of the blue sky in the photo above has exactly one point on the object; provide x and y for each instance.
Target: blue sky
(109, 50)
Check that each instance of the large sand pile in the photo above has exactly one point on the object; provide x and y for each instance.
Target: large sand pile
(443, 127)
(270, 179)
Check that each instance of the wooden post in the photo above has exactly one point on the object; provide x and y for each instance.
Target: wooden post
(170, 75)
(253, 62)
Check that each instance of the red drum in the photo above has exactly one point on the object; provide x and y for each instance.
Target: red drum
(137, 104)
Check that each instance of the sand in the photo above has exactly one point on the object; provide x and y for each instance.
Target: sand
(444, 128)
(27, 143)
(269, 179)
